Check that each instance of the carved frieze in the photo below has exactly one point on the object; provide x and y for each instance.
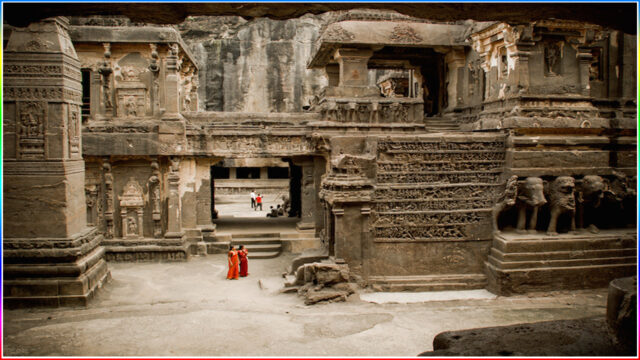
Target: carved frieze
(432, 205)
(241, 144)
(41, 93)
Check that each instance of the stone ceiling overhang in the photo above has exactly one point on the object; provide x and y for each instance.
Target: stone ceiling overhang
(377, 34)
(129, 35)
(616, 15)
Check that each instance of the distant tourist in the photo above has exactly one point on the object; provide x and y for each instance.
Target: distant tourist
(273, 212)
(258, 202)
(232, 274)
(244, 262)
(280, 210)
(253, 199)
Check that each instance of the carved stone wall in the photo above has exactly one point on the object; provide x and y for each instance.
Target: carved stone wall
(433, 201)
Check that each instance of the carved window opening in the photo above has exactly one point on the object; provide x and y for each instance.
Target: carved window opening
(596, 68)
(274, 172)
(248, 173)
(504, 63)
(220, 172)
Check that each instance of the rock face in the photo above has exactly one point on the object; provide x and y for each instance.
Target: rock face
(582, 337)
(254, 66)
(622, 311)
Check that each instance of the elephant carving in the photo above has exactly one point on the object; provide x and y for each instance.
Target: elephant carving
(562, 200)
(525, 195)
(506, 200)
(530, 196)
(589, 194)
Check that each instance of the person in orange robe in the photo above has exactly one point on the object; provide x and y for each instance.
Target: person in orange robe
(244, 262)
(233, 264)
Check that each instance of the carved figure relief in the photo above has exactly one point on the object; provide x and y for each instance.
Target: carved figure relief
(404, 34)
(552, 55)
(337, 33)
(31, 125)
(105, 70)
(562, 200)
(131, 209)
(74, 130)
(109, 198)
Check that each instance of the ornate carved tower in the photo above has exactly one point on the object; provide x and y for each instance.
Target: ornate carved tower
(51, 256)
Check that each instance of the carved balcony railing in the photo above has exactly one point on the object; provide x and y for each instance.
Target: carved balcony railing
(370, 110)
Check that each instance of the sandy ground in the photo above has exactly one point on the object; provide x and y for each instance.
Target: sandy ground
(190, 309)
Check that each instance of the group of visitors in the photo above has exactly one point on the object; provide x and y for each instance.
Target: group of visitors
(238, 263)
(256, 201)
(278, 211)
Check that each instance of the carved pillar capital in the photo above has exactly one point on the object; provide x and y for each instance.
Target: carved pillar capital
(353, 66)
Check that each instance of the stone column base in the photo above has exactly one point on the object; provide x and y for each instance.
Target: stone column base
(66, 274)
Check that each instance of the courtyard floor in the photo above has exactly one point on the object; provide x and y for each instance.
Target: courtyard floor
(190, 309)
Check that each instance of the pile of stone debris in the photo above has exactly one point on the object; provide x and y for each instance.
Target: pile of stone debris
(320, 281)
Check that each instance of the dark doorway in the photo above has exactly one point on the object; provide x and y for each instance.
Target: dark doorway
(294, 191)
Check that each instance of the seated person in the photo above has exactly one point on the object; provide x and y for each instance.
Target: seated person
(280, 210)
(272, 212)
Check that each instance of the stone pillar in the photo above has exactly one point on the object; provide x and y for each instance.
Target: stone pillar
(308, 197)
(172, 84)
(455, 62)
(339, 249)
(333, 74)
(203, 199)
(353, 66)
(232, 173)
(174, 226)
(264, 173)
(584, 61)
(51, 257)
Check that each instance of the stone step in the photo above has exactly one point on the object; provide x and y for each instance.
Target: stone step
(524, 265)
(255, 235)
(263, 255)
(429, 282)
(263, 248)
(517, 281)
(562, 255)
(243, 241)
(544, 243)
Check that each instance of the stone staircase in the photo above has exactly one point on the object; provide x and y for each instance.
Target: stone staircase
(428, 282)
(521, 263)
(260, 245)
(440, 124)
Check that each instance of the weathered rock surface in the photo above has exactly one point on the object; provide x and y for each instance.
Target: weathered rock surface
(622, 311)
(618, 16)
(318, 282)
(581, 337)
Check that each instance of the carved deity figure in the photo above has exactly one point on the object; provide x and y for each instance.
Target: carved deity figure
(130, 108)
(562, 200)
(132, 226)
(589, 195)
(31, 124)
(552, 54)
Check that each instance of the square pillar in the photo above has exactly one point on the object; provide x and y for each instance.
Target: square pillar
(51, 257)
(353, 66)
(308, 197)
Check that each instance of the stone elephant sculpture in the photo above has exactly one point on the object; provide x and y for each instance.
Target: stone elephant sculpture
(562, 200)
(589, 194)
(525, 195)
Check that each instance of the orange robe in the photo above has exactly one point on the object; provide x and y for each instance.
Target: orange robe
(233, 265)
(244, 263)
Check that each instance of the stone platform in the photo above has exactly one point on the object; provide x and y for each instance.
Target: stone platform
(428, 282)
(170, 249)
(538, 262)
